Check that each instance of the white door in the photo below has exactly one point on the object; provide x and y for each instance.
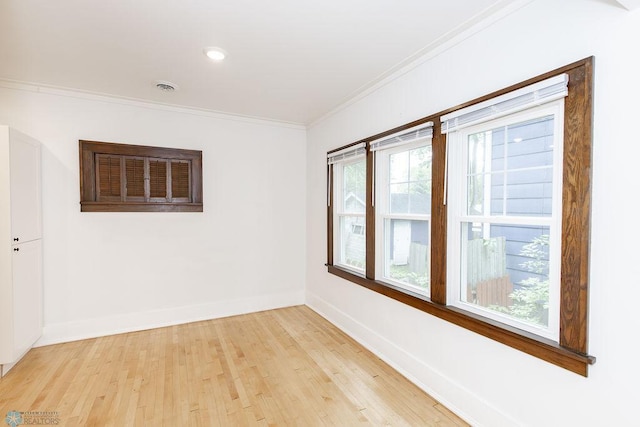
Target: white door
(26, 221)
(27, 295)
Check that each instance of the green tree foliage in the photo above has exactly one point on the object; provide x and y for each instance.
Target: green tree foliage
(421, 170)
(531, 302)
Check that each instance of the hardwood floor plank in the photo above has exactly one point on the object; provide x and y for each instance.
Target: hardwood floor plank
(280, 367)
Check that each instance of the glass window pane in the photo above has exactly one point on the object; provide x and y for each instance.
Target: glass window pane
(505, 269)
(476, 193)
(352, 241)
(530, 143)
(529, 193)
(354, 187)
(420, 197)
(407, 253)
(477, 152)
(410, 181)
(510, 169)
(420, 164)
(399, 198)
(399, 167)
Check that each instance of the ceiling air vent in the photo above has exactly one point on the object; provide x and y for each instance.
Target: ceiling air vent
(166, 86)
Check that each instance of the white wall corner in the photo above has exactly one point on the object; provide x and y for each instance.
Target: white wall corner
(629, 4)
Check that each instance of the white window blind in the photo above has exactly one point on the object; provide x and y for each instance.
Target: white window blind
(347, 153)
(424, 130)
(536, 94)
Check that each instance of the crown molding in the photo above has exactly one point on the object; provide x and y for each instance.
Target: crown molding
(111, 99)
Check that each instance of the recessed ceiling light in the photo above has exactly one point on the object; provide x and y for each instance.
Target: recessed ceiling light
(165, 86)
(215, 53)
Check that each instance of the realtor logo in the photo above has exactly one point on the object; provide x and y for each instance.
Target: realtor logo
(14, 418)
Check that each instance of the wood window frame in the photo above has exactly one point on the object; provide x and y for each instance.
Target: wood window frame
(571, 352)
(91, 200)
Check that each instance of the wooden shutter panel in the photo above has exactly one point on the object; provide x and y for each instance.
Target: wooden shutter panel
(135, 177)
(109, 177)
(157, 178)
(180, 180)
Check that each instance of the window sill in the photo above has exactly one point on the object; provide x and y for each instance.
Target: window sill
(520, 340)
(140, 207)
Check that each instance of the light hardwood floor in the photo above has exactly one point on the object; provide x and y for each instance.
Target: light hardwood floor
(280, 367)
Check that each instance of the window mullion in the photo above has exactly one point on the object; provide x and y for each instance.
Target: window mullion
(515, 220)
(576, 206)
(358, 215)
(370, 221)
(330, 222)
(408, 217)
(438, 217)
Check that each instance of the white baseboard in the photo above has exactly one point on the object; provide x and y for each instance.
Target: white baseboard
(4, 369)
(467, 405)
(91, 328)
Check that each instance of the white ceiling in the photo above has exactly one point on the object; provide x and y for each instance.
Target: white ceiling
(289, 60)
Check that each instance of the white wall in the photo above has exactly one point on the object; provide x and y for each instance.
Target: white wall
(112, 272)
(486, 382)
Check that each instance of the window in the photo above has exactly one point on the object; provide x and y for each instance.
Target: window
(505, 191)
(485, 222)
(349, 187)
(403, 208)
(118, 177)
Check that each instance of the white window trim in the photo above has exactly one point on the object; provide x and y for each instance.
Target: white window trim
(382, 214)
(457, 188)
